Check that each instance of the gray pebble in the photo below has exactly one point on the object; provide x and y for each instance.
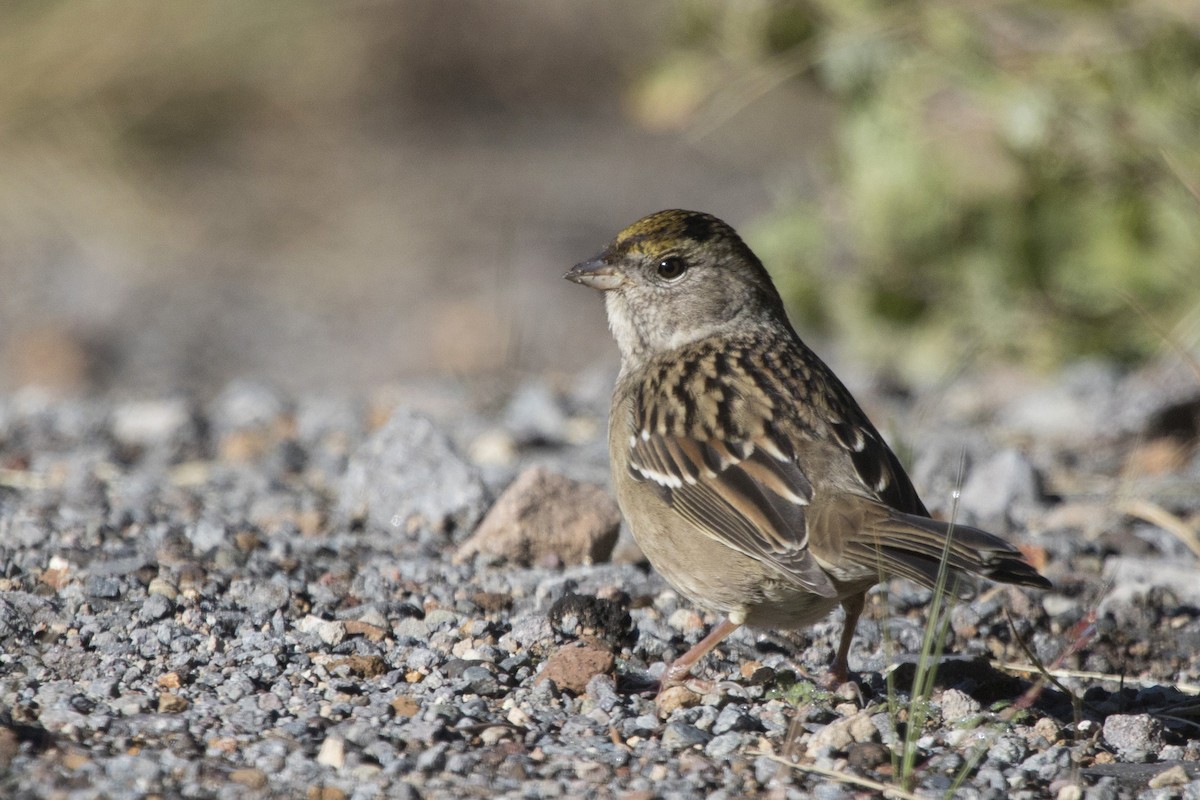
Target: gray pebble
(206, 535)
(432, 759)
(104, 586)
(535, 416)
(155, 607)
(258, 597)
(680, 735)
(733, 718)
(409, 477)
(1136, 737)
(958, 706)
(831, 791)
(245, 404)
(481, 681)
(726, 744)
(1002, 488)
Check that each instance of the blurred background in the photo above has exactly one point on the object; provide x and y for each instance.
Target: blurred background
(330, 197)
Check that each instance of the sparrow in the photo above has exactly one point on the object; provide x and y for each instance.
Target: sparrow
(749, 476)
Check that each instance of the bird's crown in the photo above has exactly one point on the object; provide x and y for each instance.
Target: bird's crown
(672, 228)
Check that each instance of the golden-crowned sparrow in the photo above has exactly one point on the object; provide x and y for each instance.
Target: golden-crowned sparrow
(750, 477)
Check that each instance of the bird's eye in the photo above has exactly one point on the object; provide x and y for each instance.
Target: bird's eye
(671, 268)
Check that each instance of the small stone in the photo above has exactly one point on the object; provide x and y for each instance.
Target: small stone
(543, 514)
(330, 632)
(155, 607)
(1134, 736)
(481, 681)
(249, 777)
(1071, 791)
(404, 706)
(332, 753)
(169, 680)
(685, 620)
(1173, 776)
(163, 588)
(755, 674)
(106, 587)
(495, 734)
(573, 665)
(958, 706)
(837, 736)
(680, 735)
(733, 718)
(325, 793)
(1048, 729)
(867, 755)
(408, 477)
(673, 698)
(357, 627)
(432, 759)
(362, 666)
(150, 422)
(171, 703)
(725, 745)
(259, 597)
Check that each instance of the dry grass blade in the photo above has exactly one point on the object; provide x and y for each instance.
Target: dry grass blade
(1167, 336)
(1081, 633)
(22, 479)
(885, 789)
(1157, 515)
(1177, 170)
(1034, 669)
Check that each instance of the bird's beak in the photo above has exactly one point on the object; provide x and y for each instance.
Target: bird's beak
(596, 274)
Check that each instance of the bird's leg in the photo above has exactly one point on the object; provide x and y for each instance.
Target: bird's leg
(680, 667)
(839, 670)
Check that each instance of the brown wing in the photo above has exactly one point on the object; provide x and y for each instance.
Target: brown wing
(749, 495)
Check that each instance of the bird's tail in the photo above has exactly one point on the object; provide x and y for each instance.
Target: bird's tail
(915, 547)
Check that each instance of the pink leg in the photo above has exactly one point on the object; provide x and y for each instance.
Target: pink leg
(682, 666)
(839, 670)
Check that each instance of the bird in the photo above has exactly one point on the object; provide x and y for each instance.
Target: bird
(749, 476)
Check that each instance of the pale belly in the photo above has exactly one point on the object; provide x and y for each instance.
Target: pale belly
(717, 577)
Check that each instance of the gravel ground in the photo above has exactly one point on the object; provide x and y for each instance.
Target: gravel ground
(276, 596)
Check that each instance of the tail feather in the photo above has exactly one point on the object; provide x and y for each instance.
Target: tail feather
(915, 547)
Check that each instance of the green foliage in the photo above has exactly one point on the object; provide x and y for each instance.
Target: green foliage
(1021, 176)
(797, 692)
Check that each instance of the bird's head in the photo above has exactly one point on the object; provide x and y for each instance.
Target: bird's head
(676, 277)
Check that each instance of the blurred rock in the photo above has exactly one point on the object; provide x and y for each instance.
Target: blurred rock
(49, 357)
(246, 404)
(535, 416)
(1003, 489)
(1130, 577)
(1077, 405)
(408, 477)
(148, 423)
(545, 515)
